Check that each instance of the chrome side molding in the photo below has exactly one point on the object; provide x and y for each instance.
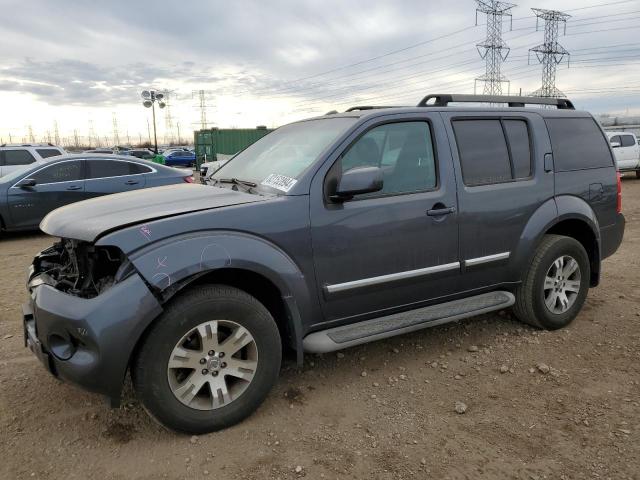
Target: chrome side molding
(392, 277)
(489, 258)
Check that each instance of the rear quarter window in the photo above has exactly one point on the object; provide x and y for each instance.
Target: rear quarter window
(578, 144)
(48, 152)
(627, 141)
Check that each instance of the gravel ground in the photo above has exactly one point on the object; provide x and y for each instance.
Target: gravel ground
(487, 397)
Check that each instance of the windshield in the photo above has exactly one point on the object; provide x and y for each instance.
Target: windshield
(278, 159)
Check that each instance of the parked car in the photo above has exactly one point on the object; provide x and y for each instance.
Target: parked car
(143, 153)
(207, 169)
(325, 234)
(14, 157)
(180, 158)
(627, 151)
(27, 196)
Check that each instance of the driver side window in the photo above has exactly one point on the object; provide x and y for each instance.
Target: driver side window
(404, 152)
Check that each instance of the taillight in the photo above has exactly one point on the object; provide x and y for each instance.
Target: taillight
(619, 203)
(189, 179)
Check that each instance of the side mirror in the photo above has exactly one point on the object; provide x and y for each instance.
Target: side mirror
(27, 183)
(358, 181)
(615, 144)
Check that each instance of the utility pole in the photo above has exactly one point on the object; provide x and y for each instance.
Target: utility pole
(493, 50)
(150, 97)
(550, 53)
(178, 127)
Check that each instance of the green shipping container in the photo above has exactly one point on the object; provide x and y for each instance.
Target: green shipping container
(229, 141)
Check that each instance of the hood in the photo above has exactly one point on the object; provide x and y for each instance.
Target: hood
(89, 219)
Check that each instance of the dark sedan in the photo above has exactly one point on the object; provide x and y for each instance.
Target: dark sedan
(28, 195)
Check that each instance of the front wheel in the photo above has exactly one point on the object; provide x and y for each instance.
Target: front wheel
(556, 284)
(209, 361)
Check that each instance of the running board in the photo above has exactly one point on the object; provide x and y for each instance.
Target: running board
(388, 326)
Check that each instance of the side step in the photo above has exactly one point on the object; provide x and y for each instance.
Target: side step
(383, 327)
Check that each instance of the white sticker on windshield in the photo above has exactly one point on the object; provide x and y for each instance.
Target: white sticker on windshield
(280, 182)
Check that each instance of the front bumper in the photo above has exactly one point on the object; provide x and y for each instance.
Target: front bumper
(89, 342)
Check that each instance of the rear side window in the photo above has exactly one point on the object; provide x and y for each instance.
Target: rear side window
(484, 156)
(577, 144)
(135, 168)
(59, 172)
(109, 168)
(48, 152)
(18, 157)
(627, 141)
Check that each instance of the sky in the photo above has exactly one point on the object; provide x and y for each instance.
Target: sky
(79, 64)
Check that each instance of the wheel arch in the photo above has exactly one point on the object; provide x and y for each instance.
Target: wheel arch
(580, 230)
(566, 215)
(247, 262)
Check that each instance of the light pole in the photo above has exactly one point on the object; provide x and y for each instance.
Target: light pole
(150, 97)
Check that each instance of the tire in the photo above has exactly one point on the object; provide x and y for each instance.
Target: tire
(637, 173)
(232, 313)
(533, 295)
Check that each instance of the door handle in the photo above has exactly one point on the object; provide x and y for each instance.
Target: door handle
(437, 212)
(131, 182)
(74, 187)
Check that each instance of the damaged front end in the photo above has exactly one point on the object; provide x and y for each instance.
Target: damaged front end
(79, 268)
(87, 309)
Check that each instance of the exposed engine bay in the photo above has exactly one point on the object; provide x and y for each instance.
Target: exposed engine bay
(79, 268)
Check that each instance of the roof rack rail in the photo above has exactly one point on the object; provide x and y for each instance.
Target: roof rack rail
(443, 99)
(369, 107)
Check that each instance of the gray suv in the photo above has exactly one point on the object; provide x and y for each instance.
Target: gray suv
(326, 233)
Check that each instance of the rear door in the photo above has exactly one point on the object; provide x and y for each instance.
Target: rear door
(499, 162)
(384, 250)
(56, 185)
(104, 176)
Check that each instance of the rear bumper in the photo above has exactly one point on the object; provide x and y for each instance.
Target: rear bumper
(611, 237)
(89, 341)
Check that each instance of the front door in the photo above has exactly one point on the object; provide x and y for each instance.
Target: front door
(56, 185)
(396, 248)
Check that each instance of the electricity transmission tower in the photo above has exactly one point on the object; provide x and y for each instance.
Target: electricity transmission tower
(493, 50)
(56, 133)
(92, 134)
(116, 135)
(168, 119)
(550, 53)
(202, 99)
(32, 139)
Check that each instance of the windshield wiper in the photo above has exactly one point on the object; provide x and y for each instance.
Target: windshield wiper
(237, 181)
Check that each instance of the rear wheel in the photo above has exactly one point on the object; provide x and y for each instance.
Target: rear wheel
(556, 284)
(637, 173)
(209, 361)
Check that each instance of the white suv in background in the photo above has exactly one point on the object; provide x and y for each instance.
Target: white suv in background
(627, 151)
(20, 156)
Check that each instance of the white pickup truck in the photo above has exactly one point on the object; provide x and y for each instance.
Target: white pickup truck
(627, 151)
